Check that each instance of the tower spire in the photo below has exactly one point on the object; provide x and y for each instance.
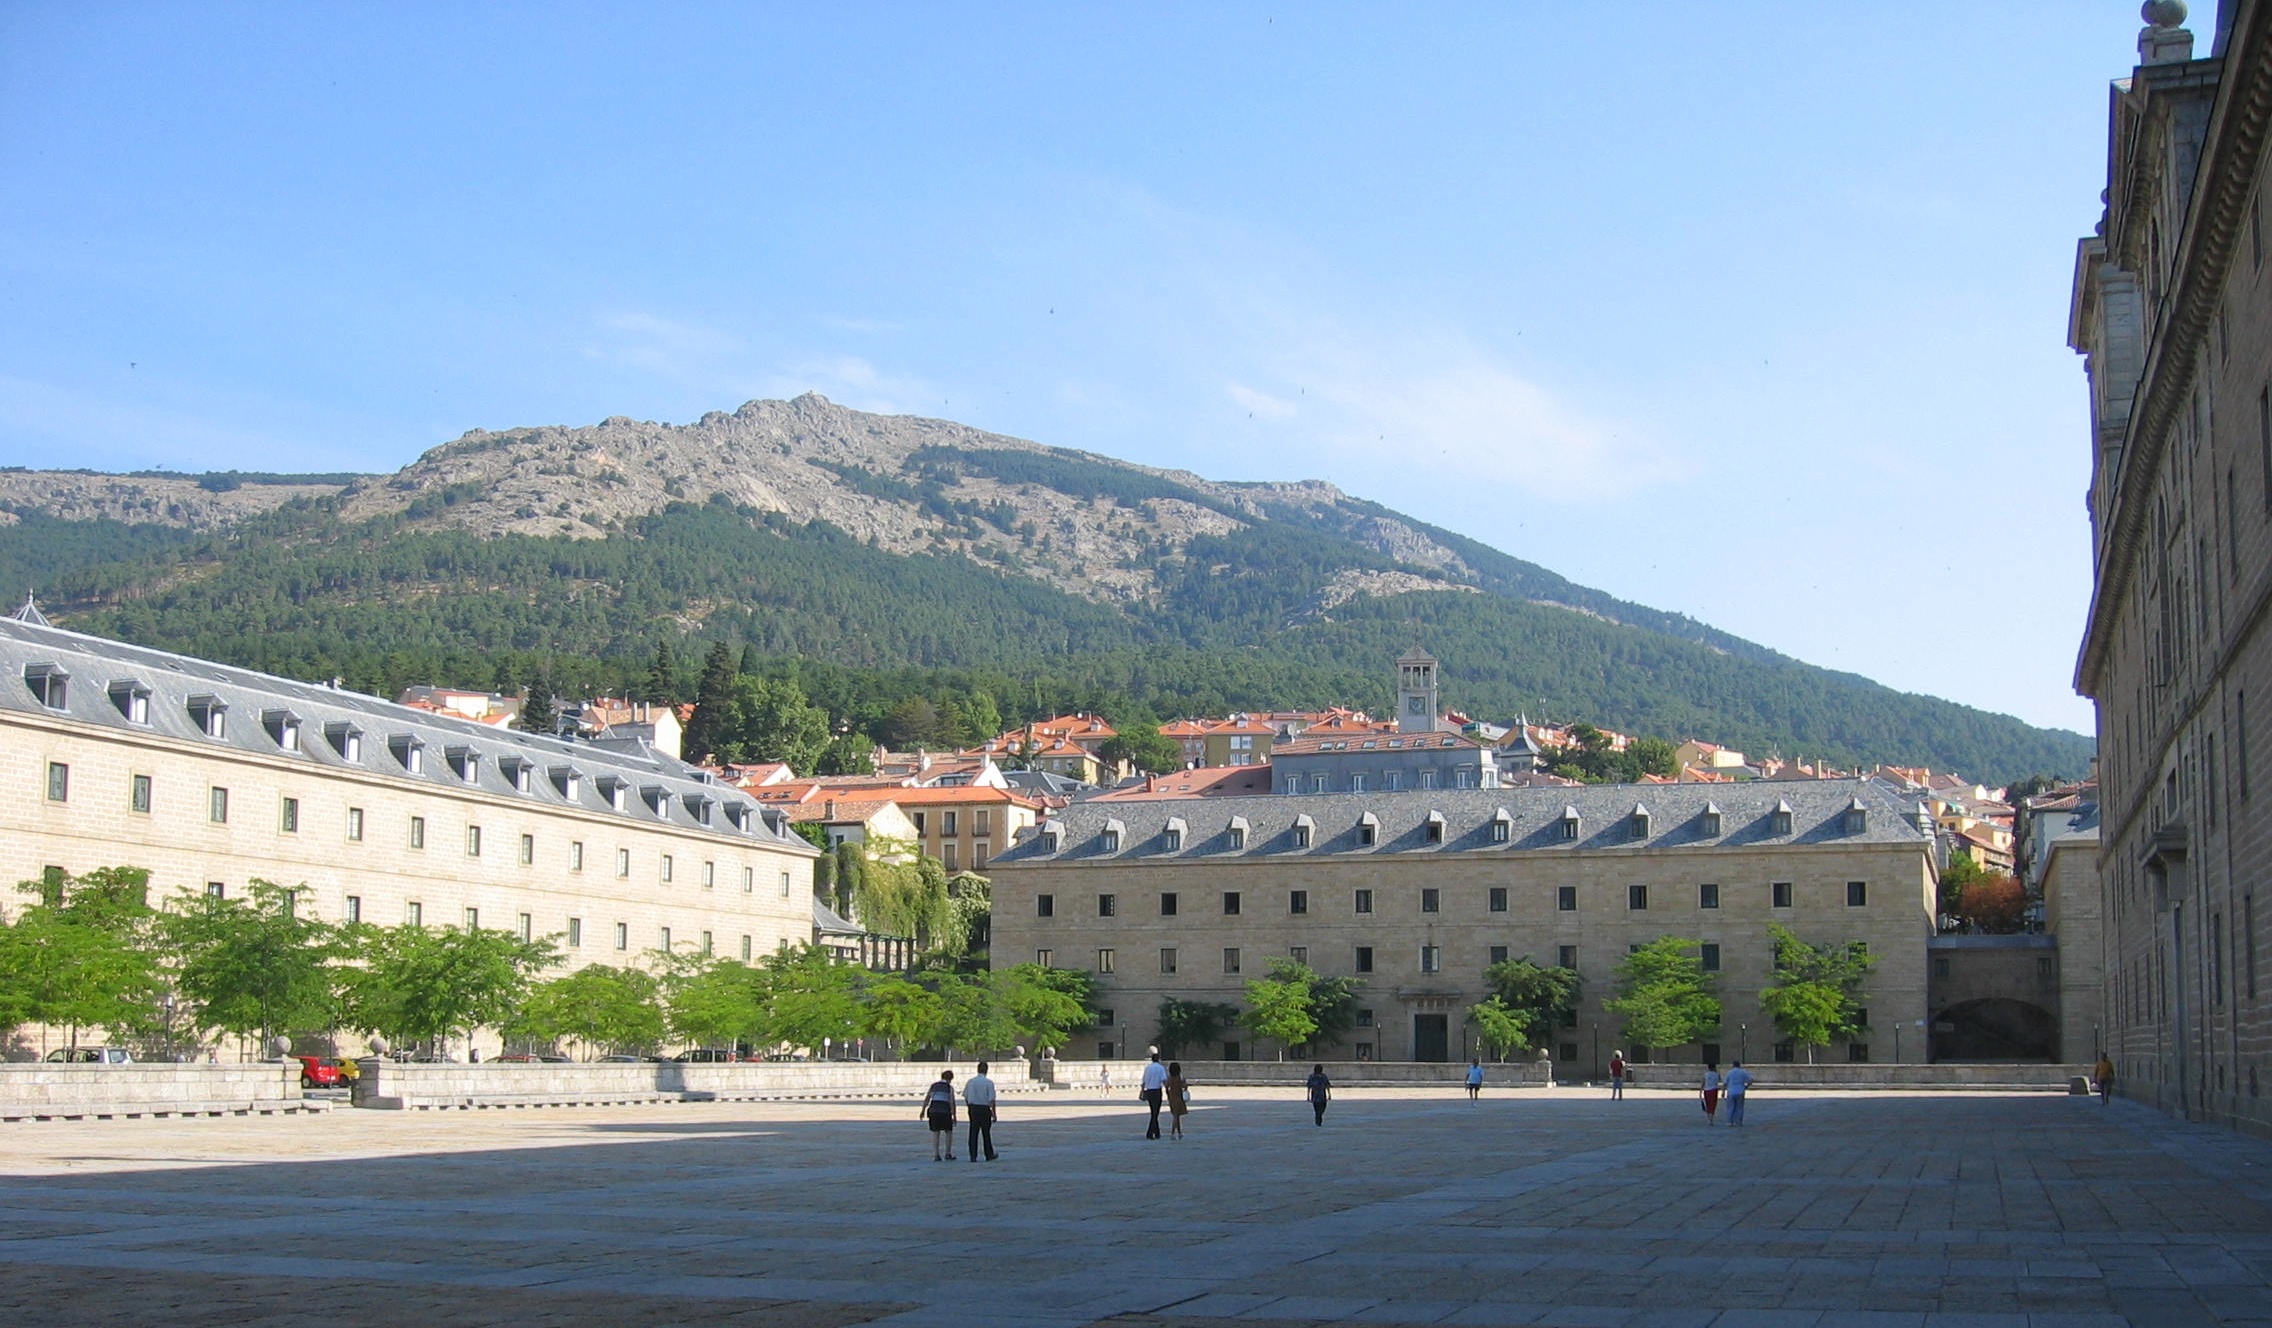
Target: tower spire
(30, 613)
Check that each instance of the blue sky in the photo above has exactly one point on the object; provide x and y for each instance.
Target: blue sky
(1755, 313)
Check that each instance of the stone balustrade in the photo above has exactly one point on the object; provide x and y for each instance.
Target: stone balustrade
(41, 1091)
(393, 1085)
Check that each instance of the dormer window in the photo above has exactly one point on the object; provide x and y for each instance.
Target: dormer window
(1502, 826)
(657, 798)
(699, 806)
(1637, 825)
(570, 781)
(1305, 829)
(737, 816)
(50, 685)
(1051, 841)
(1570, 823)
(1709, 824)
(1435, 827)
(210, 714)
(409, 752)
(465, 763)
(1112, 833)
(347, 740)
(1857, 817)
(617, 792)
(1368, 830)
(1779, 820)
(1239, 828)
(132, 700)
(518, 772)
(283, 729)
(1174, 834)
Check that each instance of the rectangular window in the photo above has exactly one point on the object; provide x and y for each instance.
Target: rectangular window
(525, 926)
(745, 949)
(666, 868)
(1637, 897)
(1498, 954)
(947, 823)
(1108, 905)
(473, 919)
(1300, 954)
(950, 857)
(217, 889)
(921, 820)
(1230, 959)
(288, 818)
(1566, 899)
(138, 794)
(1941, 967)
(1566, 956)
(1045, 906)
(1364, 959)
(1230, 902)
(1431, 899)
(1167, 903)
(414, 914)
(1711, 957)
(1858, 1053)
(1298, 901)
(622, 935)
(575, 933)
(1431, 959)
(1364, 901)
(1707, 896)
(663, 939)
(354, 908)
(473, 841)
(784, 885)
(1857, 894)
(706, 948)
(709, 874)
(1167, 959)
(1043, 958)
(418, 832)
(1780, 894)
(217, 806)
(2043, 970)
(622, 863)
(575, 855)
(58, 782)
(1498, 899)
(528, 850)
(982, 821)
(1104, 961)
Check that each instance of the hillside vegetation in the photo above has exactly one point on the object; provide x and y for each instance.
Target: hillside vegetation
(893, 551)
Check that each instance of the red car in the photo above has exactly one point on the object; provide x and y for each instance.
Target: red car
(314, 1073)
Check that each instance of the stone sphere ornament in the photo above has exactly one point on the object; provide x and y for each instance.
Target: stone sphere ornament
(377, 1043)
(280, 1045)
(2163, 13)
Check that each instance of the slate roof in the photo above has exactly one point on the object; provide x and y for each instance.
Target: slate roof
(659, 789)
(1676, 818)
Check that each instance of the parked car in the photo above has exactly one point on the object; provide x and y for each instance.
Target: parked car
(349, 1071)
(319, 1072)
(621, 1058)
(707, 1056)
(90, 1056)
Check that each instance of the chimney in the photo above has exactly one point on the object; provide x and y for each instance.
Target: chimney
(828, 809)
(1151, 784)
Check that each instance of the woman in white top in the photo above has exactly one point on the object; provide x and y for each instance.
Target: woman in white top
(1711, 1091)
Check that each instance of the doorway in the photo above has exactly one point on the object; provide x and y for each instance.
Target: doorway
(1431, 1037)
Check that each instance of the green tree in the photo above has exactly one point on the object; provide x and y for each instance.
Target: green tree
(1664, 995)
(79, 959)
(710, 731)
(845, 754)
(1046, 1005)
(253, 965)
(1278, 1005)
(1813, 997)
(419, 983)
(1536, 996)
(1959, 874)
(913, 723)
(774, 722)
(903, 1014)
(1501, 1027)
(1140, 744)
(811, 1000)
(1193, 1024)
(1653, 756)
(662, 677)
(539, 712)
(617, 1009)
(716, 1003)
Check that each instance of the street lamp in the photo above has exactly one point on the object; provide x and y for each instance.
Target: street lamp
(1743, 1042)
(166, 1004)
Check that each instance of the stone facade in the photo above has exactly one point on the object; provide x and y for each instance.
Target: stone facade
(1416, 893)
(2173, 310)
(375, 812)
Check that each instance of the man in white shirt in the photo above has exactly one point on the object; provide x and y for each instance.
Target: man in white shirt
(1155, 1081)
(1739, 1085)
(978, 1096)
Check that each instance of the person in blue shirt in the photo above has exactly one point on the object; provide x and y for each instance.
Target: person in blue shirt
(1474, 1080)
(1737, 1083)
(1321, 1092)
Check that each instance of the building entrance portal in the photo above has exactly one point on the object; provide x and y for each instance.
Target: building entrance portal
(1431, 1037)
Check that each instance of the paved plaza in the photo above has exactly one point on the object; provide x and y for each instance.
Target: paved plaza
(1411, 1206)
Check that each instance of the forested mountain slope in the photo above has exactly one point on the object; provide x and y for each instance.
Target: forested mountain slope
(803, 529)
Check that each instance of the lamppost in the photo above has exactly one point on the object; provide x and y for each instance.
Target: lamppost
(166, 1004)
(1743, 1042)
(1596, 1031)
(1122, 1045)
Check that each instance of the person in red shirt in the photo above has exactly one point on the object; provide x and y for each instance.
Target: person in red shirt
(1616, 1075)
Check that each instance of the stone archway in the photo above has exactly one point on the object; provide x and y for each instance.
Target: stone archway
(1995, 1028)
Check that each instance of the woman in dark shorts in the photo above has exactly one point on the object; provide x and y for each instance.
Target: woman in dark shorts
(939, 1110)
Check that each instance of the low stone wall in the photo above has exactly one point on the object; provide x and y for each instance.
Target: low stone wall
(2034, 1077)
(77, 1092)
(1086, 1075)
(396, 1086)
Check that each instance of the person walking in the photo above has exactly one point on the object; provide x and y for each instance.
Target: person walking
(2102, 1078)
(939, 1110)
(1711, 1092)
(1738, 1083)
(1321, 1092)
(1179, 1099)
(1474, 1080)
(978, 1097)
(1104, 1080)
(1155, 1085)
(1616, 1075)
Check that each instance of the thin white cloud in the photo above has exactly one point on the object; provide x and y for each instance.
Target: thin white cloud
(1261, 405)
(725, 368)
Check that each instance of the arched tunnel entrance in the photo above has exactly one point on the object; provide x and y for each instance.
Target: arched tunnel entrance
(1996, 1028)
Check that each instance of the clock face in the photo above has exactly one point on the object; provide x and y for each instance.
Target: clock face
(1412, 703)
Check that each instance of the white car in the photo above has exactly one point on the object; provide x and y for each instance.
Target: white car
(90, 1056)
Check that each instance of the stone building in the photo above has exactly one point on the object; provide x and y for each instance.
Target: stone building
(2172, 310)
(1416, 892)
(212, 776)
